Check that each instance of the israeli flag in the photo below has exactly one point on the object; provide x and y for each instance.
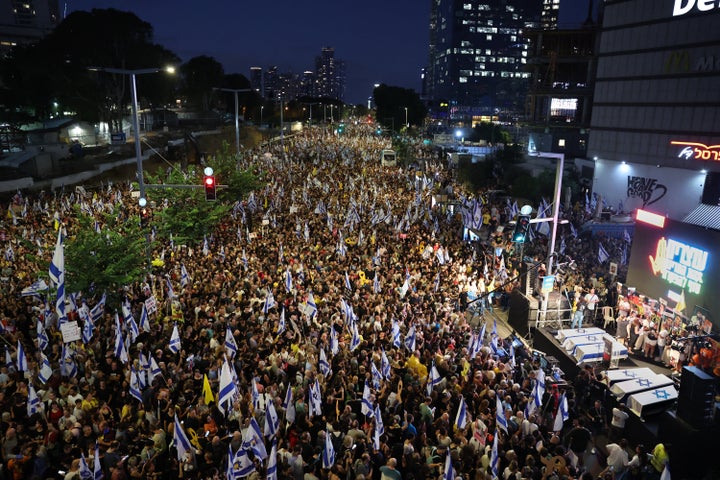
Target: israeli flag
(144, 320)
(494, 457)
(33, 402)
(562, 414)
(42, 338)
(433, 379)
(347, 282)
(334, 344)
(288, 281)
(135, 391)
(269, 303)
(603, 255)
(410, 339)
(228, 389)
(21, 360)
(272, 467)
(385, 366)
(355, 340)
(46, 370)
(328, 453)
(288, 405)
(253, 440)
(311, 309)
(449, 472)
(500, 419)
(396, 334)
(180, 439)
(272, 421)
(174, 346)
(315, 401)
(323, 364)
(184, 276)
(463, 417)
(239, 465)
(231, 347)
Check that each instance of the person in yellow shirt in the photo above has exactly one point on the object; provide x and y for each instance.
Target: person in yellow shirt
(89, 403)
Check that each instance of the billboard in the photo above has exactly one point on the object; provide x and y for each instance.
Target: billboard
(678, 263)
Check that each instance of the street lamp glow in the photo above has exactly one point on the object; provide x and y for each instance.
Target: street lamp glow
(458, 133)
(526, 210)
(142, 202)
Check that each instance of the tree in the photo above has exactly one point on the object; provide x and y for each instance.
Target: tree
(108, 260)
(200, 75)
(188, 216)
(55, 70)
(391, 103)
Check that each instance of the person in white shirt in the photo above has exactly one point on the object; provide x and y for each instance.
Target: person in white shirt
(617, 459)
(591, 299)
(617, 424)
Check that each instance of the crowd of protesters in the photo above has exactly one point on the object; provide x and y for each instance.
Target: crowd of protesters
(343, 246)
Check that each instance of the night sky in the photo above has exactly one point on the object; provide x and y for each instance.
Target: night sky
(381, 41)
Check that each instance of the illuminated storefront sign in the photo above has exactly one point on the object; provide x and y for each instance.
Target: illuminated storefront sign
(686, 6)
(698, 151)
(679, 264)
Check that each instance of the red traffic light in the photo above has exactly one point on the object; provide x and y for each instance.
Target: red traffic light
(209, 183)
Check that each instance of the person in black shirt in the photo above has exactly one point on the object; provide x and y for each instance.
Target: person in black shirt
(578, 439)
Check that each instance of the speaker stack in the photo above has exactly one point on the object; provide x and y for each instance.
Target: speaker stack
(696, 398)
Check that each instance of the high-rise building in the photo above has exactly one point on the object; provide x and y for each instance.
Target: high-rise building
(329, 75)
(271, 85)
(256, 80)
(549, 16)
(478, 55)
(26, 21)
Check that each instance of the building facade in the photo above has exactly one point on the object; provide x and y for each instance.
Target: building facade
(329, 75)
(655, 127)
(26, 21)
(478, 55)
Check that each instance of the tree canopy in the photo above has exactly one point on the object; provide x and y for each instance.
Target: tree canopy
(392, 103)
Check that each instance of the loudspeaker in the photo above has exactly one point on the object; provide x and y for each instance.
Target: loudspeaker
(711, 190)
(520, 310)
(696, 397)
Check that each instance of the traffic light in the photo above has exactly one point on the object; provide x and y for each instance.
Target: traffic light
(341, 129)
(521, 229)
(209, 183)
(144, 217)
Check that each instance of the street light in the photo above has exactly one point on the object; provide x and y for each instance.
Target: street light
(556, 212)
(237, 122)
(261, 112)
(406, 118)
(136, 123)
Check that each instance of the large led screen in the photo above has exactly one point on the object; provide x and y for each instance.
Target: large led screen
(679, 263)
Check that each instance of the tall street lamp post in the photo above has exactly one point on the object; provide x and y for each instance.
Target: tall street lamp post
(406, 118)
(556, 212)
(136, 123)
(237, 121)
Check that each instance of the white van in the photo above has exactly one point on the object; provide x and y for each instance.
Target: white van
(388, 158)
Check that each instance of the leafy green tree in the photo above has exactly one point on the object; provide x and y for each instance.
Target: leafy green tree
(107, 260)
(188, 216)
(490, 133)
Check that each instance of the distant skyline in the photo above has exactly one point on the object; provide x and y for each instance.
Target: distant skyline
(380, 41)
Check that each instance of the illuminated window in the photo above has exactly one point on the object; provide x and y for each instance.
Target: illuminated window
(488, 37)
(467, 6)
(462, 79)
(561, 142)
(563, 107)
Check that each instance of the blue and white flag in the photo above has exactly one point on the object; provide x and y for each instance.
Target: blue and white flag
(46, 370)
(97, 468)
(205, 247)
(231, 347)
(175, 345)
(500, 419)
(385, 366)
(84, 471)
(433, 379)
(603, 255)
(154, 369)
(462, 419)
(449, 472)
(410, 339)
(328, 453)
(57, 277)
(133, 330)
(120, 350)
(376, 376)
(253, 440)
(170, 290)
(288, 405)
(626, 236)
(623, 255)
(334, 344)
(228, 389)
(180, 439)
(21, 361)
(315, 400)
(269, 302)
(288, 280)
(573, 232)
(348, 285)
(366, 407)
(254, 394)
(436, 284)
(562, 414)
(68, 368)
(42, 338)
(35, 289)
(355, 340)
(534, 403)
(33, 402)
(323, 364)
(272, 465)
(144, 320)
(184, 276)
(239, 464)
(494, 457)
(281, 324)
(272, 421)
(311, 308)
(134, 388)
(395, 331)
(376, 283)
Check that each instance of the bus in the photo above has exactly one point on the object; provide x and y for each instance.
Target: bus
(388, 158)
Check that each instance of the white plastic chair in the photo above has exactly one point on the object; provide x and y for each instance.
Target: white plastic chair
(608, 316)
